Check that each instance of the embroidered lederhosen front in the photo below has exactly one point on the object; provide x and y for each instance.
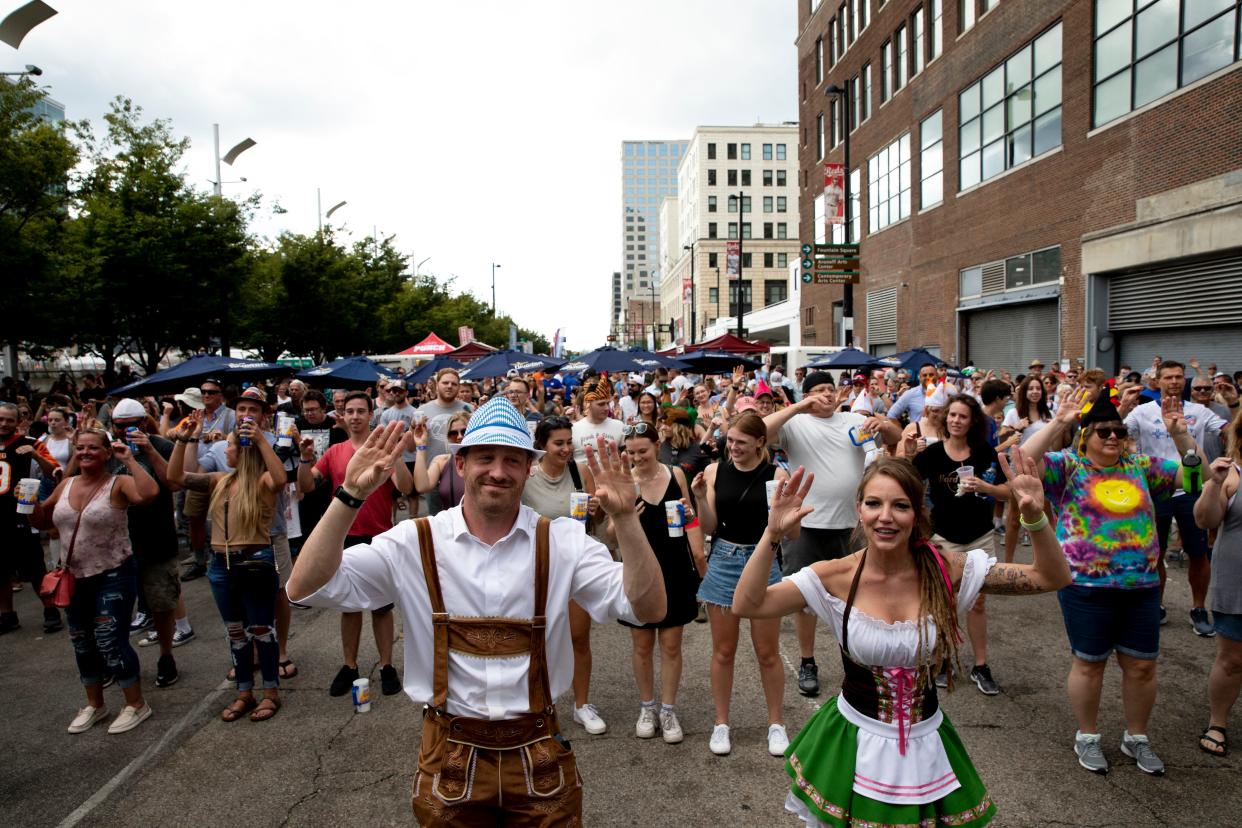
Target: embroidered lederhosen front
(472, 768)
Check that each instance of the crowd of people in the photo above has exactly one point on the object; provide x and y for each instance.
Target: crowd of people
(885, 503)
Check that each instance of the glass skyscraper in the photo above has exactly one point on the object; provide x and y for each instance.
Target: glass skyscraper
(648, 174)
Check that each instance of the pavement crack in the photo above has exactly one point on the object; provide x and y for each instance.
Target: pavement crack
(318, 774)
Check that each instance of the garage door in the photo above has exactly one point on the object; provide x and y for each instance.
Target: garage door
(1178, 311)
(1008, 338)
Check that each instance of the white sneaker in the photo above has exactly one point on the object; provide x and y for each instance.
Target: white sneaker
(589, 718)
(86, 718)
(670, 727)
(720, 744)
(130, 718)
(150, 639)
(646, 726)
(778, 740)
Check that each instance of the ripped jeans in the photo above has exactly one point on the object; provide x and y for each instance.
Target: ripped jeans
(245, 593)
(99, 616)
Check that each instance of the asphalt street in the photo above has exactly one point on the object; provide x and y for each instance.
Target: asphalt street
(319, 763)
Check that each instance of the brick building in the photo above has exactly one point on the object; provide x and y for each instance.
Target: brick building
(1031, 178)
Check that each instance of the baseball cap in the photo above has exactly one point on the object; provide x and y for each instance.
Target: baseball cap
(128, 409)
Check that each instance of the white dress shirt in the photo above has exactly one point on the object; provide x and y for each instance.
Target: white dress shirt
(480, 580)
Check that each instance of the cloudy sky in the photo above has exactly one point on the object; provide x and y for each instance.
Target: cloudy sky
(473, 131)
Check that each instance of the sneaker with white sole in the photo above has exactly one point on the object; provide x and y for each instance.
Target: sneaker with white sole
(150, 639)
(778, 740)
(645, 728)
(1090, 752)
(130, 718)
(1201, 624)
(87, 718)
(670, 728)
(589, 718)
(141, 622)
(720, 744)
(1139, 749)
(180, 637)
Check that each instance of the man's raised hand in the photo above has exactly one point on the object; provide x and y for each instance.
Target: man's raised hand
(372, 464)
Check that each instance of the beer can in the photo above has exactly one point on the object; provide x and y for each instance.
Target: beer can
(578, 506)
(675, 517)
(770, 486)
(362, 695)
(244, 441)
(129, 440)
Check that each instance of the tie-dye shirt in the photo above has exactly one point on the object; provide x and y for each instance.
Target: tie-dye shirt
(1106, 518)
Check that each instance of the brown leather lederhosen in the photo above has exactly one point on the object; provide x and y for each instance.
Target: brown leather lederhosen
(474, 771)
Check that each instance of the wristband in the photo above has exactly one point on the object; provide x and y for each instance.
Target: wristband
(1036, 526)
(420, 448)
(348, 499)
(303, 461)
(191, 439)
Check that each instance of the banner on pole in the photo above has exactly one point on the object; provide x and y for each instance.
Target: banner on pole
(465, 334)
(834, 193)
(733, 259)
(686, 291)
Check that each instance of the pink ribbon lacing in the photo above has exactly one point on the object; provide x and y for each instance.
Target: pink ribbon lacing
(902, 681)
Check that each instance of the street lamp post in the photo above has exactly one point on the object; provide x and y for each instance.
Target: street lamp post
(655, 318)
(494, 266)
(847, 290)
(693, 314)
(331, 210)
(229, 157)
(31, 69)
(717, 296)
(741, 224)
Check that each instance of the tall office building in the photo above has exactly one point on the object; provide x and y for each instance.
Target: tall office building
(648, 174)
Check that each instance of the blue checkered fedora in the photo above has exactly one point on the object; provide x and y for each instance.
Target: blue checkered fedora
(497, 423)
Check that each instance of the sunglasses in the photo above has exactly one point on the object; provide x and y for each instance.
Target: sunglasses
(457, 432)
(206, 391)
(1120, 432)
(1200, 388)
(637, 428)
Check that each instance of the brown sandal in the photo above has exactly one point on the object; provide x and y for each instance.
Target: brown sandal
(266, 709)
(240, 707)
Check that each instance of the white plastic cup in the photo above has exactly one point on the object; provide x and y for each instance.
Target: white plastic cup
(675, 517)
(770, 487)
(284, 429)
(578, 506)
(362, 695)
(963, 473)
(27, 495)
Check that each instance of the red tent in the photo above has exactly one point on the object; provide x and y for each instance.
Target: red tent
(729, 342)
(432, 345)
(470, 352)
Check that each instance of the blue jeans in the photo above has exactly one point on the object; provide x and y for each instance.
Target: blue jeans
(244, 588)
(1181, 509)
(99, 615)
(724, 569)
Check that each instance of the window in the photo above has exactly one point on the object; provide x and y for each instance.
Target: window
(745, 178)
(744, 284)
(781, 203)
(819, 61)
(832, 42)
(711, 178)
(888, 177)
(767, 178)
(841, 33)
(767, 204)
(711, 232)
(931, 160)
(767, 152)
(712, 258)
(970, 282)
(864, 93)
(782, 230)
(782, 260)
(780, 152)
(1013, 113)
(854, 119)
(732, 178)
(935, 34)
(745, 152)
(1033, 268)
(886, 69)
(838, 124)
(746, 230)
(733, 204)
(780, 178)
(769, 231)
(861, 14)
(769, 260)
(746, 258)
(711, 152)
(855, 205)
(733, 229)
(916, 42)
(819, 136)
(713, 295)
(966, 14)
(711, 204)
(901, 59)
(988, 5)
(774, 290)
(1141, 57)
(731, 151)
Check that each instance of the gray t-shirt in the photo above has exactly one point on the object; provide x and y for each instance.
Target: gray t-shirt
(406, 414)
(1226, 592)
(438, 415)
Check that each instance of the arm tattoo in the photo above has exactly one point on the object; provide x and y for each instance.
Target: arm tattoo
(198, 482)
(1010, 579)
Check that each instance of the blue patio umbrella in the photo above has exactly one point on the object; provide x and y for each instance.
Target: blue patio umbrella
(845, 358)
(609, 360)
(912, 360)
(200, 367)
(428, 369)
(501, 362)
(717, 362)
(346, 372)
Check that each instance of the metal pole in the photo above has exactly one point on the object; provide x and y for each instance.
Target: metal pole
(717, 298)
(215, 134)
(693, 306)
(741, 222)
(494, 266)
(319, 207)
(847, 294)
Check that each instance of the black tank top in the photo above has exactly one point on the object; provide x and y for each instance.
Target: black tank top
(742, 502)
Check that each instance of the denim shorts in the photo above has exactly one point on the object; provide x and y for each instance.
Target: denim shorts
(1227, 625)
(1099, 620)
(724, 568)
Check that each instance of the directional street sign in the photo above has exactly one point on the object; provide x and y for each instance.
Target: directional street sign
(830, 263)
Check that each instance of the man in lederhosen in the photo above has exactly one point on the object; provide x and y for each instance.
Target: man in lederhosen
(484, 590)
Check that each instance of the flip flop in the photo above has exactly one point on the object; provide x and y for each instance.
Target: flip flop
(288, 669)
(266, 709)
(240, 707)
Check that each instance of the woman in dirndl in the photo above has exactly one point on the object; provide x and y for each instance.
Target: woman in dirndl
(882, 752)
